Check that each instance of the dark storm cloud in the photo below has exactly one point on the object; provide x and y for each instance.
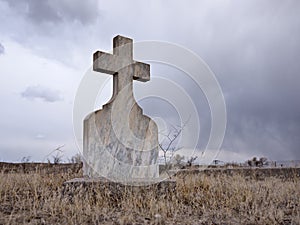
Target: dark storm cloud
(40, 92)
(54, 11)
(254, 48)
(1, 49)
(256, 64)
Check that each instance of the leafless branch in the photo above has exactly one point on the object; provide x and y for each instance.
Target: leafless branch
(58, 149)
(171, 137)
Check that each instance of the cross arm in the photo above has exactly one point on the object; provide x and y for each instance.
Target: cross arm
(104, 62)
(141, 71)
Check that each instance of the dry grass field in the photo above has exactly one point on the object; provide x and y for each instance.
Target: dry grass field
(36, 196)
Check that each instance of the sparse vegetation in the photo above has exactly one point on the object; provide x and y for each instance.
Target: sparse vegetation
(57, 155)
(263, 161)
(191, 161)
(26, 159)
(35, 197)
(77, 159)
(168, 146)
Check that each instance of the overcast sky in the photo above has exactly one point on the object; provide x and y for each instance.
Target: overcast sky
(252, 46)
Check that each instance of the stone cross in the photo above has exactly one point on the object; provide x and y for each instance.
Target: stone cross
(120, 143)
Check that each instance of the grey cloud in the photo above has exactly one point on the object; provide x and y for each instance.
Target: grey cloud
(55, 11)
(42, 11)
(40, 136)
(84, 11)
(257, 67)
(1, 49)
(51, 28)
(253, 50)
(43, 93)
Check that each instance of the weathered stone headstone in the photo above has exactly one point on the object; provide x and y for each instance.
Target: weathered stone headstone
(120, 143)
